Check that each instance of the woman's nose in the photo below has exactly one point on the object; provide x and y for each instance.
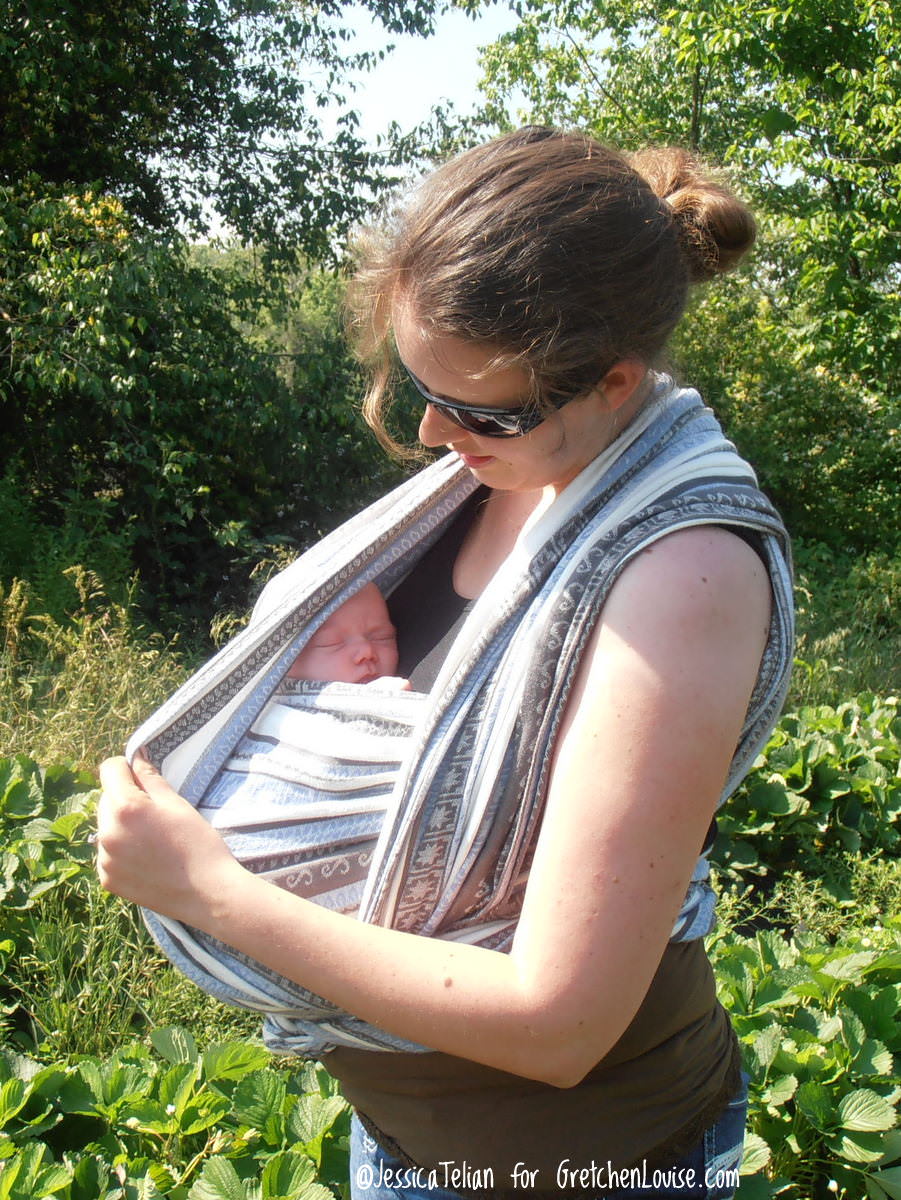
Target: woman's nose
(435, 429)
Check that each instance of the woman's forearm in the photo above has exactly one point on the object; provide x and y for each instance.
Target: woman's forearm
(449, 996)
(461, 999)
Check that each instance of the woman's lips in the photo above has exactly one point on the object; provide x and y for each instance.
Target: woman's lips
(474, 461)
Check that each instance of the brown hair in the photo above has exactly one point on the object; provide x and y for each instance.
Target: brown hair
(561, 254)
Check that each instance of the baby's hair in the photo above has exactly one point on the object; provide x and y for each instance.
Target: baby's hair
(559, 254)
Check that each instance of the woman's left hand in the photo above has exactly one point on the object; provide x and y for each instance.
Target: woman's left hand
(154, 848)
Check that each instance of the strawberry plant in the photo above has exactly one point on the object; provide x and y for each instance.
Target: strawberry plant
(827, 783)
(173, 1121)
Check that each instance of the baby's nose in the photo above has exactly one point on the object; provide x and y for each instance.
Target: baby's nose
(363, 650)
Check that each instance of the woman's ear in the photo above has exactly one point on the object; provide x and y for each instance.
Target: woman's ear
(623, 383)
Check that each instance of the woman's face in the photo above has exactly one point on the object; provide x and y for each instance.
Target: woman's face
(551, 455)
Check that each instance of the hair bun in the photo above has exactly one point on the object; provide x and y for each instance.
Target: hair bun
(715, 228)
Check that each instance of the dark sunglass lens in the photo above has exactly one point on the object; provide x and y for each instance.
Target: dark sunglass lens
(488, 426)
(471, 422)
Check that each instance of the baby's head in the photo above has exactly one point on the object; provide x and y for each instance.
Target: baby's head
(356, 644)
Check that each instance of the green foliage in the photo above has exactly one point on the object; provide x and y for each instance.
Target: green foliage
(819, 1027)
(78, 971)
(128, 397)
(802, 98)
(85, 1111)
(826, 447)
(847, 625)
(176, 1122)
(828, 782)
(42, 814)
(73, 688)
(200, 113)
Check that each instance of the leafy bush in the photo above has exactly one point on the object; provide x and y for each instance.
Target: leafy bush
(129, 394)
(827, 781)
(180, 1123)
(86, 1111)
(819, 1027)
(78, 970)
(826, 446)
(186, 1124)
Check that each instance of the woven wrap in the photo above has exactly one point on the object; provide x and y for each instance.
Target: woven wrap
(455, 825)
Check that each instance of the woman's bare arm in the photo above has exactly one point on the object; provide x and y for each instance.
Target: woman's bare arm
(647, 740)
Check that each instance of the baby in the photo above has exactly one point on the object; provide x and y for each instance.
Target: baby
(302, 797)
(356, 644)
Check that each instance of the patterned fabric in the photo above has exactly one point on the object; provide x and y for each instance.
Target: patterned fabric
(302, 798)
(460, 823)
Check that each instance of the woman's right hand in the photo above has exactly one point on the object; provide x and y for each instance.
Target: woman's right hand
(155, 849)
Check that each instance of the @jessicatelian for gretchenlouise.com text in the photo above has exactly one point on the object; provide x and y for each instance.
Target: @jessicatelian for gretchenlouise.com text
(603, 1177)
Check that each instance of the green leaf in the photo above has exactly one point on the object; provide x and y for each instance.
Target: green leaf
(766, 1045)
(770, 798)
(892, 1146)
(258, 1097)
(755, 1156)
(780, 1091)
(147, 1115)
(217, 1181)
(815, 1102)
(12, 1098)
(202, 1113)
(859, 1147)
(849, 966)
(233, 1060)
(175, 1044)
(177, 1085)
(28, 1177)
(286, 1175)
(12, 1169)
(313, 1116)
(742, 855)
(873, 1059)
(864, 1110)
(890, 1181)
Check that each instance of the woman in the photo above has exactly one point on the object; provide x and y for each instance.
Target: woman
(527, 293)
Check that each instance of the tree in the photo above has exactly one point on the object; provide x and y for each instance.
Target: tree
(147, 421)
(139, 423)
(194, 110)
(801, 100)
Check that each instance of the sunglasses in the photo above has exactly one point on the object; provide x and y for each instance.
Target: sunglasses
(485, 422)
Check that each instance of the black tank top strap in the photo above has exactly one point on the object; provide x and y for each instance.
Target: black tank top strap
(424, 607)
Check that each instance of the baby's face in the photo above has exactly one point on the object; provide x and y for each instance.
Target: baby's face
(356, 644)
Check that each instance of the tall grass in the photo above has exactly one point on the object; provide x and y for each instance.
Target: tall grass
(72, 689)
(848, 625)
(88, 978)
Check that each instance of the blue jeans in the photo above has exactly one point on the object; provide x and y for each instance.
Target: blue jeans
(708, 1172)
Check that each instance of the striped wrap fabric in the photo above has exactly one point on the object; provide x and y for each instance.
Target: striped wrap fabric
(434, 832)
